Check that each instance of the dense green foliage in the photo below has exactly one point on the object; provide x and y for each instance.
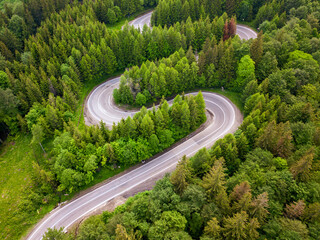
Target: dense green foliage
(53, 67)
(172, 11)
(79, 154)
(20, 19)
(152, 81)
(47, 65)
(263, 181)
(218, 66)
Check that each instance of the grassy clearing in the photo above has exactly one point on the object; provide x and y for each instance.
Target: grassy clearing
(16, 157)
(15, 177)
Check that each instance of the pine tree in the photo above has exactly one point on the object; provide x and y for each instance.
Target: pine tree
(232, 26)
(159, 121)
(193, 112)
(240, 227)
(213, 229)
(146, 126)
(164, 107)
(111, 16)
(185, 117)
(181, 175)
(256, 49)
(295, 210)
(301, 170)
(259, 207)
(245, 72)
(130, 128)
(214, 181)
(226, 34)
(227, 65)
(201, 108)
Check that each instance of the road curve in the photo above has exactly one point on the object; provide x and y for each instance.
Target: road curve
(227, 118)
(245, 32)
(139, 22)
(100, 106)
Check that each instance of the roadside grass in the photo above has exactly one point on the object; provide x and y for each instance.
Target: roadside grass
(16, 158)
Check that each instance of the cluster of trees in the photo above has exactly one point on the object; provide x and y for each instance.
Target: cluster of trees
(170, 12)
(263, 181)
(266, 16)
(264, 178)
(78, 154)
(273, 14)
(21, 19)
(151, 81)
(261, 201)
(64, 54)
(227, 64)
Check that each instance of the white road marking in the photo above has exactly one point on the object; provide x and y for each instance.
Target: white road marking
(253, 33)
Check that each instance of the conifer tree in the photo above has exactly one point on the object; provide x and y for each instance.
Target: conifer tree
(256, 49)
(179, 178)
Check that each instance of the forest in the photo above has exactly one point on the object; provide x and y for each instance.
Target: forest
(262, 182)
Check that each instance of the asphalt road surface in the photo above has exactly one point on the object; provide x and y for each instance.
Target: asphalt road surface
(100, 106)
(245, 32)
(141, 21)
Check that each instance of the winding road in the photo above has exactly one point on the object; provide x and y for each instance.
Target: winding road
(100, 106)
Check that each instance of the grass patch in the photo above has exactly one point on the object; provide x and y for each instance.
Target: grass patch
(16, 157)
(15, 176)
